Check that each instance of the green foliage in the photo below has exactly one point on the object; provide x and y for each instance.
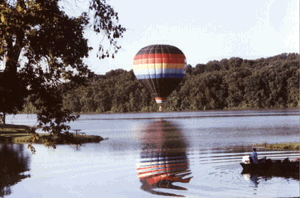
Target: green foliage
(42, 48)
(238, 84)
(227, 84)
(117, 91)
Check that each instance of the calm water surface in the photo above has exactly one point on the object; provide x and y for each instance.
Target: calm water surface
(185, 154)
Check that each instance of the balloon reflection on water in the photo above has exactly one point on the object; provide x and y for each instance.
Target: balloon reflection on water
(163, 158)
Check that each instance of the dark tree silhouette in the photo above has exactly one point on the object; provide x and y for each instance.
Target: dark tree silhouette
(42, 47)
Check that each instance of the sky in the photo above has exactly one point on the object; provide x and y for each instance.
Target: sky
(204, 30)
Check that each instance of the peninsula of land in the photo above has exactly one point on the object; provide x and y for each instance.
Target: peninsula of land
(21, 134)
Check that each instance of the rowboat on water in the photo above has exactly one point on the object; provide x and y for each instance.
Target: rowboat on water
(270, 166)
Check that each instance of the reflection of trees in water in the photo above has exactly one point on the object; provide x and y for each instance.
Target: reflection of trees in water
(163, 158)
(13, 162)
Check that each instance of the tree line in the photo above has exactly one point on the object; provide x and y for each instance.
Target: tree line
(233, 83)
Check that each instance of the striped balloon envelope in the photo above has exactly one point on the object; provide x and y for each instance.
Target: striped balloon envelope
(159, 68)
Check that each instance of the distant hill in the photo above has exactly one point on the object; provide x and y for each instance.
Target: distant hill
(233, 83)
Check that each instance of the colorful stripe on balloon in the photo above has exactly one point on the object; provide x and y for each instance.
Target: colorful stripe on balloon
(160, 68)
(160, 100)
(159, 62)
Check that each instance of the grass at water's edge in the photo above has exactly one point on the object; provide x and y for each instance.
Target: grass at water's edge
(22, 134)
(295, 146)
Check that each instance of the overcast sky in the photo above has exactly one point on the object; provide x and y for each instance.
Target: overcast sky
(205, 29)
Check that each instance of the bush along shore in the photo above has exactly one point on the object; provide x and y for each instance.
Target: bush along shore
(21, 134)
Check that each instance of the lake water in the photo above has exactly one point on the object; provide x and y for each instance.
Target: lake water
(183, 154)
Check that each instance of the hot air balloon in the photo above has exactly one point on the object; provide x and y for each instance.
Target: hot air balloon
(159, 68)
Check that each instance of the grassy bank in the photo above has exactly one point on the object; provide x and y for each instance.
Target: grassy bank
(24, 134)
(280, 146)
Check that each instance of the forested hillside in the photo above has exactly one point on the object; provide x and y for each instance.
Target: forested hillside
(233, 83)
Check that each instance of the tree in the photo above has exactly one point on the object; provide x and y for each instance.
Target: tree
(264, 83)
(43, 48)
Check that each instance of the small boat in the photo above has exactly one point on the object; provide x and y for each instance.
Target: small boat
(270, 166)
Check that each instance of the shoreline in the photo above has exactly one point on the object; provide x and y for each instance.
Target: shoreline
(22, 134)
(134, 112)
(291, 146)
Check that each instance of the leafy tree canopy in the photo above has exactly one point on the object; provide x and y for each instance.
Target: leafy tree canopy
(42, 47)
(233, 83)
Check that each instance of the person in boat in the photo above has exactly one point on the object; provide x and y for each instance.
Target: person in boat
(254, 156)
